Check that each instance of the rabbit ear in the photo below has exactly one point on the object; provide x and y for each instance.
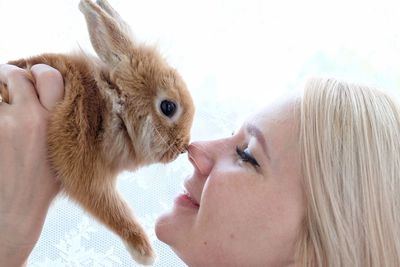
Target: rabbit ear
(114, 14)
(109, 34)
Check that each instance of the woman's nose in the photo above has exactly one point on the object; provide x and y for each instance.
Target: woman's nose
(200, 157)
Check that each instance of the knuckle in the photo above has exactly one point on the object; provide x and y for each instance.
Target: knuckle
(32, 119)
(16, 73)
(34, 127)
(35, 120)
(45, 72)
(8, 122)
(10, 127)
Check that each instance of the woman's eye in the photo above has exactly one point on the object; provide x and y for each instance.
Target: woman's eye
(246, 157)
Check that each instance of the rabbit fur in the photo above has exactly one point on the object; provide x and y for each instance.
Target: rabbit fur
(122, 110)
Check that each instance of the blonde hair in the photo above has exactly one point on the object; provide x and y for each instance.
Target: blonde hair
(350, 142)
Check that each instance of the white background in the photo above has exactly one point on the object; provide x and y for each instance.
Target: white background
(235, 56)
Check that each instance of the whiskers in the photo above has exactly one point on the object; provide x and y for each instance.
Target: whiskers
(171, 146)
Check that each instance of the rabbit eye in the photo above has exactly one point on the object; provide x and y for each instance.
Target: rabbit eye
(168, 108)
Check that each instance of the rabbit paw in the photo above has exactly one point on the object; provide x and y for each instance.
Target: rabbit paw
(143, 254)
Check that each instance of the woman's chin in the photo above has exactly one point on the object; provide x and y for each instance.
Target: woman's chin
(161, 224)
(175, 224)
(167, 225)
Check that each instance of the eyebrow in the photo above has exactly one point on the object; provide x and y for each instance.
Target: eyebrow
(254, 131)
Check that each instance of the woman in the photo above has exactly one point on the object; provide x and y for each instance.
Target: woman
(310, 181)
(314, 182)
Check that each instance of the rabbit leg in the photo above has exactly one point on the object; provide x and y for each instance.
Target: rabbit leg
(107, 206)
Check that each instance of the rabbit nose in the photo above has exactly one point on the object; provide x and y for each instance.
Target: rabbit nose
(185, 148)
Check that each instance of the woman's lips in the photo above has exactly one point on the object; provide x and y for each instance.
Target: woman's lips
(187, 201)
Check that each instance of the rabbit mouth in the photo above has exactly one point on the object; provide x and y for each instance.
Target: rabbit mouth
(169, 155)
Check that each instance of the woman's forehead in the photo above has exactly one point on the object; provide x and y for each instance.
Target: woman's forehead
(280, 112)
(278, 124)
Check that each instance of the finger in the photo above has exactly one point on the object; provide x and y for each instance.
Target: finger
(49, 85)
(19, 83)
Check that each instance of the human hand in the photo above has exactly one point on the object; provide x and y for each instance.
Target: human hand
(27, 183)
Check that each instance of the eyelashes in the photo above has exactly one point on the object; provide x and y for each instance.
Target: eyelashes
(246, 157)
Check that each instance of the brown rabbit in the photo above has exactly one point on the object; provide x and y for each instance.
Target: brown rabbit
(122, 111)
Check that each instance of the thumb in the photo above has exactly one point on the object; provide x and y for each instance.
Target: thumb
(49, 85)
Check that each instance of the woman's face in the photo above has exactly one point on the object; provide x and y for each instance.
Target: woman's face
(244, 203)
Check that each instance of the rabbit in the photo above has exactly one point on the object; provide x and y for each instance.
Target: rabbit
(122, 110)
